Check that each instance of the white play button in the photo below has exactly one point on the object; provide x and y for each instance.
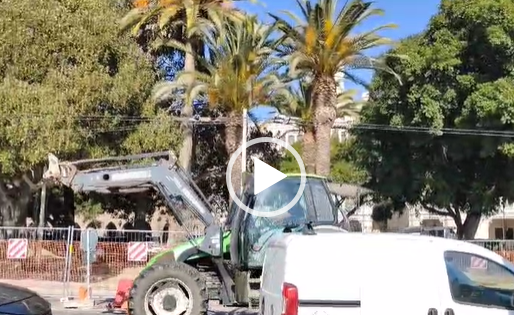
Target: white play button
(265, 176)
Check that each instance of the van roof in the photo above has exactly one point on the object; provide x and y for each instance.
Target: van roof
(401, 242)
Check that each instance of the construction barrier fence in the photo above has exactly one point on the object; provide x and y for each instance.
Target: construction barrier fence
(63, 260)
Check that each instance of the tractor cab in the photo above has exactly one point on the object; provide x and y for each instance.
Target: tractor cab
(250, 233)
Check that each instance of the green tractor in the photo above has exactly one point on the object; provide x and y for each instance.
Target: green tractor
(225, 265)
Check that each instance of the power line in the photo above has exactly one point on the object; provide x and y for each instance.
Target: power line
(412, 129)
(438, 132)
(282, 121)
(197, 120)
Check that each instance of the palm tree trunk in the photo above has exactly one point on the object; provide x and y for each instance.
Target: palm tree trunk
(233, 131)
(309, 151)
(186, 151)
(324, 98)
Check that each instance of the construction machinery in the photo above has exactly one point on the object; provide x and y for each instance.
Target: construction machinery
(226, 263)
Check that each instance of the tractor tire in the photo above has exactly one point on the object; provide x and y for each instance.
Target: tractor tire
(185, 275)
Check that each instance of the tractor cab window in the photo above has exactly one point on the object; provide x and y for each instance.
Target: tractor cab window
(314, 206)
(322, 201)
(279, 196)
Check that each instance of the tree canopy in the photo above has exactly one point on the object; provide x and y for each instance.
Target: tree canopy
(458, 77)
(71, 85)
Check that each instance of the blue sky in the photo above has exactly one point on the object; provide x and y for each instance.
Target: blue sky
(410, 16)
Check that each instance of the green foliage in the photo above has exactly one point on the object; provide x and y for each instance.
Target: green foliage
(165, 24)
(343, 169)
(238, 70)
(458, 75)
(72, 86)
(69, 85)
(319, 42)
(288, 163)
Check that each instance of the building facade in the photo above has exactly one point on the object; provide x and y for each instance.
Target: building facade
(498, 226)
(287, 128)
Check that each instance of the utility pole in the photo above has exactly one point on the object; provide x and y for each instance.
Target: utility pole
(243, 145)
(245, 132)
(503, 219)
(42, 213)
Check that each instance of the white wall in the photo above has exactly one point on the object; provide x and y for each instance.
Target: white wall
(486, 228)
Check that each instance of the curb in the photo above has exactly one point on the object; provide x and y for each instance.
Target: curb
(97, 303)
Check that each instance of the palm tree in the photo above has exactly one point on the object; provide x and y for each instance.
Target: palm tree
(320, 46)
(239, 74)
(180, 25)
(345, 106)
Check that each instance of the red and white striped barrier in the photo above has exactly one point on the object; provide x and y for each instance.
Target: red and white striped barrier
(137, 251)
(17, 248)
(478, 263)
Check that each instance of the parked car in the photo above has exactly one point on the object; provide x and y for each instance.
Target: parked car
(439, 231)
(356, 273)
(16, 300)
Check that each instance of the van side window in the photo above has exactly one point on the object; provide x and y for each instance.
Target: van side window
(479, 281)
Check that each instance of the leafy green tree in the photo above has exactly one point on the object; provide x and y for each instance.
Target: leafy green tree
(344, 169)
(458, 76)
(320, 45)
(179, 25)
(70, 85)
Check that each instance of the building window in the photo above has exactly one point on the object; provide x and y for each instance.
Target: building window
(509, 233)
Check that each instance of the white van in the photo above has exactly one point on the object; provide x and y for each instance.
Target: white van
(369, 274)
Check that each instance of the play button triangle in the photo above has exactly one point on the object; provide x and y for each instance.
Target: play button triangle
(265, 175)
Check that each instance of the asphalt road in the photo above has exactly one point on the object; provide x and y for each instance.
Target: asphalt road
(98, 312)
(76, 312)
(215, 310)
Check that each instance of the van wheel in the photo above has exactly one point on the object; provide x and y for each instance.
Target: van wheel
(169, 288)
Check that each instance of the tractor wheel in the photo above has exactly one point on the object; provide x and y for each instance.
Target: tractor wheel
(170, 288)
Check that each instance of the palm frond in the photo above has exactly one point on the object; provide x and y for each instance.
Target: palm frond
(322, 43)
(241, 68)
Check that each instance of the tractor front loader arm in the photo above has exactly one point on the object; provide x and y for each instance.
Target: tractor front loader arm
(165, 176)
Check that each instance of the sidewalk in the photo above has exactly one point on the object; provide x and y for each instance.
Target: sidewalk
(54, 290)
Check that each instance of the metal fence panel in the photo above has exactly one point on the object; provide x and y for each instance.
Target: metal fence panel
(58, 263)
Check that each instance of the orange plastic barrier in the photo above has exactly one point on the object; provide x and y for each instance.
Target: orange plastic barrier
(83, 293)
(122, 294)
